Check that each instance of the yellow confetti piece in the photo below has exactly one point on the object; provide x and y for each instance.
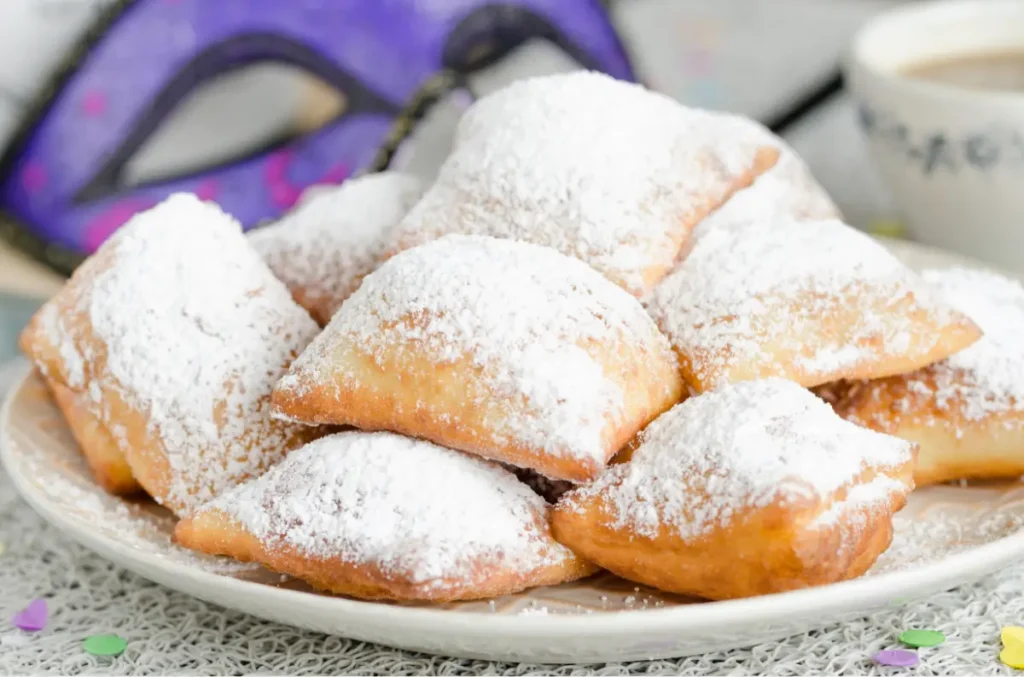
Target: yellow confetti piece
(2, 548)
(1012, 636)
(1013, 656)
(888, 228)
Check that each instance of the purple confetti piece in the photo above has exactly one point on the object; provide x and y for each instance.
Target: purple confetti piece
(32, 618)
(896, 658)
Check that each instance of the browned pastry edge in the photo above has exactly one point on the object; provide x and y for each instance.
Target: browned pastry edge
(952, 445)
(99, 448)
(763, 551)
(764, 159)
(213, 532)
(140, 445)
(878, 361)
(450, 404)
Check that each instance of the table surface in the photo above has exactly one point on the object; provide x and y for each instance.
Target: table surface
(171, 633)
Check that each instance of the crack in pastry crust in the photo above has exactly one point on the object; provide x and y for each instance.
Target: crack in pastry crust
(786, 191)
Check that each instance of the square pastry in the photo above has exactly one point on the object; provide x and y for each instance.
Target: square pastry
(754, 488)
(603, 170)
(381, 516)
(810, 301)
(503, 349)
(163, 349)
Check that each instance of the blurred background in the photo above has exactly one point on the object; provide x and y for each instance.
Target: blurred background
(774, 60)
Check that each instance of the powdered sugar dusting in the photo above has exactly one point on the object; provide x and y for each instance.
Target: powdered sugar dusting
(72, 363)
(195, 330)
(877, 491)
(322, 250)
(410, 507)
(599, 169)
(723, 301)
(987, 377)
(743, 446)
(991, 371)
(787, 190)
(526, 315)
(852, 513)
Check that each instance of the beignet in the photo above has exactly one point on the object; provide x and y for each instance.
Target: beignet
(498, 348)
(324, 248)
(599, 169)
(810, 301)
(967, 412)
(381, 516)
(754, 488)
(170, 339)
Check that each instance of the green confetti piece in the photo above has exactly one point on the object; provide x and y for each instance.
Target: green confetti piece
(922, 638)
(104, 645)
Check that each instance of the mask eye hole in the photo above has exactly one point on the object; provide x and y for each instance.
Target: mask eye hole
(231, 116)
(203, 79)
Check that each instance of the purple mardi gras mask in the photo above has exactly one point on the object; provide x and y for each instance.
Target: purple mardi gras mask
(61, 180)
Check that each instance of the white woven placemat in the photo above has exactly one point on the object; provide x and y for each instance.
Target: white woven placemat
(171, 633)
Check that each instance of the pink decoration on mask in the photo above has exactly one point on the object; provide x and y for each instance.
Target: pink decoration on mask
(283, 193)
(106, 223)
(94, 103)
(33, 177)
(336, 174)
(208, 190)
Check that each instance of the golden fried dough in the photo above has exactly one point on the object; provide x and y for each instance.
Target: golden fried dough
(381, 516)
(170, 339)
(498, 348)
(967, 412)
(753, 488)
(599, 169)
(104, 457)
(813, 301)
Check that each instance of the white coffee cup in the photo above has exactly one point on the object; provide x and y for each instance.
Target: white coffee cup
(953, 157)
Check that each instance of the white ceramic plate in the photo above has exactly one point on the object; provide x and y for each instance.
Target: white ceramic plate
(947, 536)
